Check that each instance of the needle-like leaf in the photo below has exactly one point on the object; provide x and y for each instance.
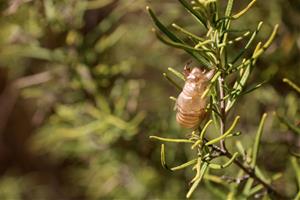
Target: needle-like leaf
(257, 140)
(198, 180)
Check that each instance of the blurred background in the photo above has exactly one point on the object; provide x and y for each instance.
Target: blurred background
(81, 91)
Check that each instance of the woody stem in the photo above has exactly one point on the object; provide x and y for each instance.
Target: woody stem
(250, 172)
(222, 111)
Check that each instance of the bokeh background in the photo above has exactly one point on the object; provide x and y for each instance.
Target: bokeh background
(81, 91)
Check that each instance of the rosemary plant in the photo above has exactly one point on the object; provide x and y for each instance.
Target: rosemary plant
(295, 129)
(212, 51)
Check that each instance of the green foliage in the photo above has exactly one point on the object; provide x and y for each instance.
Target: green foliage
(85, 75)
(296, 130)
(86, 103)
(232, 71)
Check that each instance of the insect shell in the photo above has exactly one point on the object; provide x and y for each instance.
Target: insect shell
(190, 106)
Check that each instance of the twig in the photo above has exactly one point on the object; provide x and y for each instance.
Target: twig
(32, 80)
(222, 111)
(250, 172)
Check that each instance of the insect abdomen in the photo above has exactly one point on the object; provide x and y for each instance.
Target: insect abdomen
(190, 105)
(190, 110)
(188, 120)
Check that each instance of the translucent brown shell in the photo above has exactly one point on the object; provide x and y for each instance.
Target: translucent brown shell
(190, 106)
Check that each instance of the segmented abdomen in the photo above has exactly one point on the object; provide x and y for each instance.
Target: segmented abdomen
(190, 107)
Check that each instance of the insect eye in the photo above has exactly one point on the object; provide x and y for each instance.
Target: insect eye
(195, 77)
